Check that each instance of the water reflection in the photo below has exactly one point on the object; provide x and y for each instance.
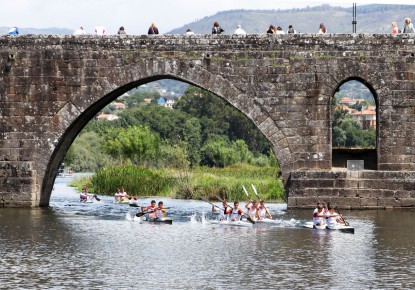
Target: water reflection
(94, 246)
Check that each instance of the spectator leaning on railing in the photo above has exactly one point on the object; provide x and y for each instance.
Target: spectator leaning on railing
(409, 27)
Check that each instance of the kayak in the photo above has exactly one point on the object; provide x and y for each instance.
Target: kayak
(266, 221)
(124, 201)
(168, 221)
(337, 227)
(232, 223)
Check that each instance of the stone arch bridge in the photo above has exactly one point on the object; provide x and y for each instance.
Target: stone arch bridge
(51, 86)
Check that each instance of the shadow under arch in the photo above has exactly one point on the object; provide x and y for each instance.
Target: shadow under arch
(90, 112)
(340, 156)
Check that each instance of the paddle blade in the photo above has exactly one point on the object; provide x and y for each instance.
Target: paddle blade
(246, 192)
(140, 214)
(250, 220)
(254, 188)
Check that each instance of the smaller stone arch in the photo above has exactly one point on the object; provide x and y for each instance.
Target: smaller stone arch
(368, 155)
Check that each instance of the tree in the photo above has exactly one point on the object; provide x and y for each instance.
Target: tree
(136, 143)
(85, 154)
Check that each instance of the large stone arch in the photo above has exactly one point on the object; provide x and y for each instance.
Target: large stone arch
(74, 115)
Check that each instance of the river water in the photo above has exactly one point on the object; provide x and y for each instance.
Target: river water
(96, 246)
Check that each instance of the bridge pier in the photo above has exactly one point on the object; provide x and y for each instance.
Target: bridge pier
(19, 187)
(352, 189)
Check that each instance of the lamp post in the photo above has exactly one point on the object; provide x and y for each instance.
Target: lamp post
(354, 21)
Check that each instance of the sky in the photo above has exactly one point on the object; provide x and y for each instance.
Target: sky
(137, 15)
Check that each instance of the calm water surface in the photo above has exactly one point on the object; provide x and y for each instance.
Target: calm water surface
(95, 246)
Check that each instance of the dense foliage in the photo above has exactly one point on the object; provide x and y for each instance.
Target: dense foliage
(201, 130)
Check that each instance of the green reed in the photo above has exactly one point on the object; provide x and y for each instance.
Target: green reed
(211, 183)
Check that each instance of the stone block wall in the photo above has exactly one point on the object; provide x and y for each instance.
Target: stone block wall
(352, 189)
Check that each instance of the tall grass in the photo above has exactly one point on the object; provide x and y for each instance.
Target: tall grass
(226, 183)
(211, 183)
(135, 180)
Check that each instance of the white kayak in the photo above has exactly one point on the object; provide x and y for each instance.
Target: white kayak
(337, 227)
(266, 221)
(232, 223)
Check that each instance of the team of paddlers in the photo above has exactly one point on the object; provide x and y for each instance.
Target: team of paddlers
(255, 211)
(326, 215)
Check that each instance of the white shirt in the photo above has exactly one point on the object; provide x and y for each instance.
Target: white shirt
(318, 220)
(100, 30)
(262, 212)
(79, 32)
(235, 215)
(332, 220)
(240, 31)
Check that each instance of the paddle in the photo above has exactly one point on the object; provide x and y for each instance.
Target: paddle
(96, 197)
(246, 192)
(345, 223)
(256, 193)
(141, 213)
(244, 215)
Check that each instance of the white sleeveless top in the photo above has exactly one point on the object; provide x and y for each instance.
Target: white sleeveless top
(222, 215)
(262, 213)
(235, 215)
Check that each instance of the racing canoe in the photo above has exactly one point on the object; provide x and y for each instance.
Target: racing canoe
(336, 227)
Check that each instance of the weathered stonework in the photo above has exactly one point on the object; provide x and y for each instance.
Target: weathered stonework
(51, 86)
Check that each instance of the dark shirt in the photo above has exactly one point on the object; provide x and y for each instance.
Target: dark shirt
(153, 30)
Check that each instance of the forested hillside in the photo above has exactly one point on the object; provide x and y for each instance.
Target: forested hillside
(370, 19)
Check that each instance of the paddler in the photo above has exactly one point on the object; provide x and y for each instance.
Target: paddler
(123, 193)
(133, 201)
(118, 195)
(83, 197)
(333, 218)
(237, 212)
(224, 211)
(263, 212)
(161, 211)
(252, 207)
(319, 215)
(151, 210)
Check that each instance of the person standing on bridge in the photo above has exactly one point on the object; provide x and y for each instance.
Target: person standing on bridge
(216, 29)
(100, 30)
(409, 27)
(395, 29)
(121, 30)
(291, 29)
(322, 29)
(14, 31)
(239, 30)
(189, 32)
(271, 29)
(153, 29)
(80, 31)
